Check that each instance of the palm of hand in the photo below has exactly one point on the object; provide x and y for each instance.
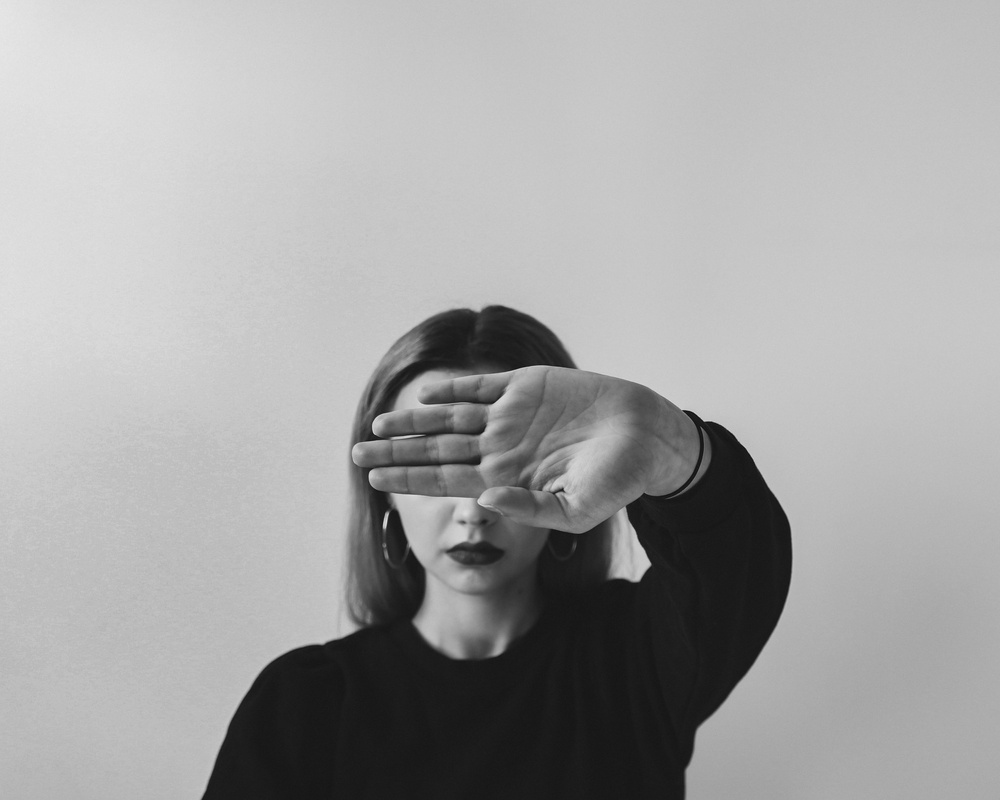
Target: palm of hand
(546, 446)
(567, 444)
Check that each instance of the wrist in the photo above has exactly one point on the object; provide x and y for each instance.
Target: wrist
(682, 452)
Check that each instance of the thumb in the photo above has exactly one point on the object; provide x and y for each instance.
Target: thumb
(527, 507)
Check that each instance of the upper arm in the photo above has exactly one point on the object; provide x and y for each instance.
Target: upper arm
(278, 732)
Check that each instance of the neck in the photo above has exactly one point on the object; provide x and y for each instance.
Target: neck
(469, 626)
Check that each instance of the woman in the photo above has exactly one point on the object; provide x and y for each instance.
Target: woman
(496, 658)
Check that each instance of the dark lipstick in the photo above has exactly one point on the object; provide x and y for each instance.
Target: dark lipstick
(475, 555)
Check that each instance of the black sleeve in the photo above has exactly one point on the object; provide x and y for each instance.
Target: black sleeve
(279, 734)
(721, 567)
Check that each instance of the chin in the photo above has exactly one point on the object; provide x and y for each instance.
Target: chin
(477, 582)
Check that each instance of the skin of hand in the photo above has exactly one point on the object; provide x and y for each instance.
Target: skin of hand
(544, 446)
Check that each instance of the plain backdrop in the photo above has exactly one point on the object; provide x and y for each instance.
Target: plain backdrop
(215, 217)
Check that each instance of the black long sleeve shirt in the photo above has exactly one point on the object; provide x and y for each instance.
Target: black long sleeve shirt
(600, 699)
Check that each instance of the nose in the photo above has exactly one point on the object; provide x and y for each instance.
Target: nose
(469, 512)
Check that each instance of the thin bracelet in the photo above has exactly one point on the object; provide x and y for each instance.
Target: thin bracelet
(697, 464)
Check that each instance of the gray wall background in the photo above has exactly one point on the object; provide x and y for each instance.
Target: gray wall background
(217, 216)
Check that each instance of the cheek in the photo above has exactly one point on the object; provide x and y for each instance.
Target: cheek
(421, 517)
(531, 542)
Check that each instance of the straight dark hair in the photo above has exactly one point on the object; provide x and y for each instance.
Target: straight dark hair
(464, 339)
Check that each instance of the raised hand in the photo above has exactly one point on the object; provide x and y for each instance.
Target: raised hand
(545, 446)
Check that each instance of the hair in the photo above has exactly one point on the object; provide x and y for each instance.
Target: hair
(461, 339)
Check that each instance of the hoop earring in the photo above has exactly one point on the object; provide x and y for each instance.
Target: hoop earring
(385, 541)
(565, 557)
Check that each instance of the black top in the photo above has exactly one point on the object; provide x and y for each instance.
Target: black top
(600, 699)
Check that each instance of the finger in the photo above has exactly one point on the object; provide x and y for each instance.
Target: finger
(467, 389)
(528, 507)
(450, 480)
(420, 451)
(458, 418)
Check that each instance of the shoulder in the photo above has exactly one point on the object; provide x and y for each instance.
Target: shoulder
(287, 722)
(317, 665)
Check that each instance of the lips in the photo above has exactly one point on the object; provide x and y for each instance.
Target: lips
(475, 554)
